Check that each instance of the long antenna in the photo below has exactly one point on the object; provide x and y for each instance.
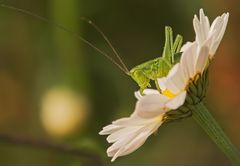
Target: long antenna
(66, 30)
(106, 39)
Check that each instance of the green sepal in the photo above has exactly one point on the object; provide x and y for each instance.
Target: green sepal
(189, 100)
(184, 108)
(200, 89)
(193, 89)
(194, 98)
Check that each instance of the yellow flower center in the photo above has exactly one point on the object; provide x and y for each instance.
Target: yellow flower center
(169, 94)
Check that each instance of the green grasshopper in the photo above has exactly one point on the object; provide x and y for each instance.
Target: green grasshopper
(142, 74)
(153, 69)
(159, 67)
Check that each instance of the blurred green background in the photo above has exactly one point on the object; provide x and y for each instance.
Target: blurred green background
(55, 87)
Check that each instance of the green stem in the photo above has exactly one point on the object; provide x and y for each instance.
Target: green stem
(212, 128)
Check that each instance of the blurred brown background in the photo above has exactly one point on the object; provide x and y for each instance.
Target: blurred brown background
(55, 87)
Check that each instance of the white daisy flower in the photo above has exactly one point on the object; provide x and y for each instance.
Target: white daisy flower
(152, 109)
(128, 134)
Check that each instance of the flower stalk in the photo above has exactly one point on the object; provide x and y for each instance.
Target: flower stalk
(202, 116)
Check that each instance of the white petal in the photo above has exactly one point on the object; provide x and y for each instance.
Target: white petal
(117, 152)
(188, 60)
(202, 59)
(138, 95)
(124, 132)
(220, 35)
(136, 142)
(216, 25)
(150, 106)
(205, 25)
(170, 84)
(114, 148)
(177, 101)
(186, 46)
(145, 92)
(109, 129)
(124, 140)
(201, 27)
(176, 79)
(162, 83)
(150, 92)
(198, 30)
(134, 119)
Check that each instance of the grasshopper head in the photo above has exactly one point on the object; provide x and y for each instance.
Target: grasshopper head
(140, 78)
